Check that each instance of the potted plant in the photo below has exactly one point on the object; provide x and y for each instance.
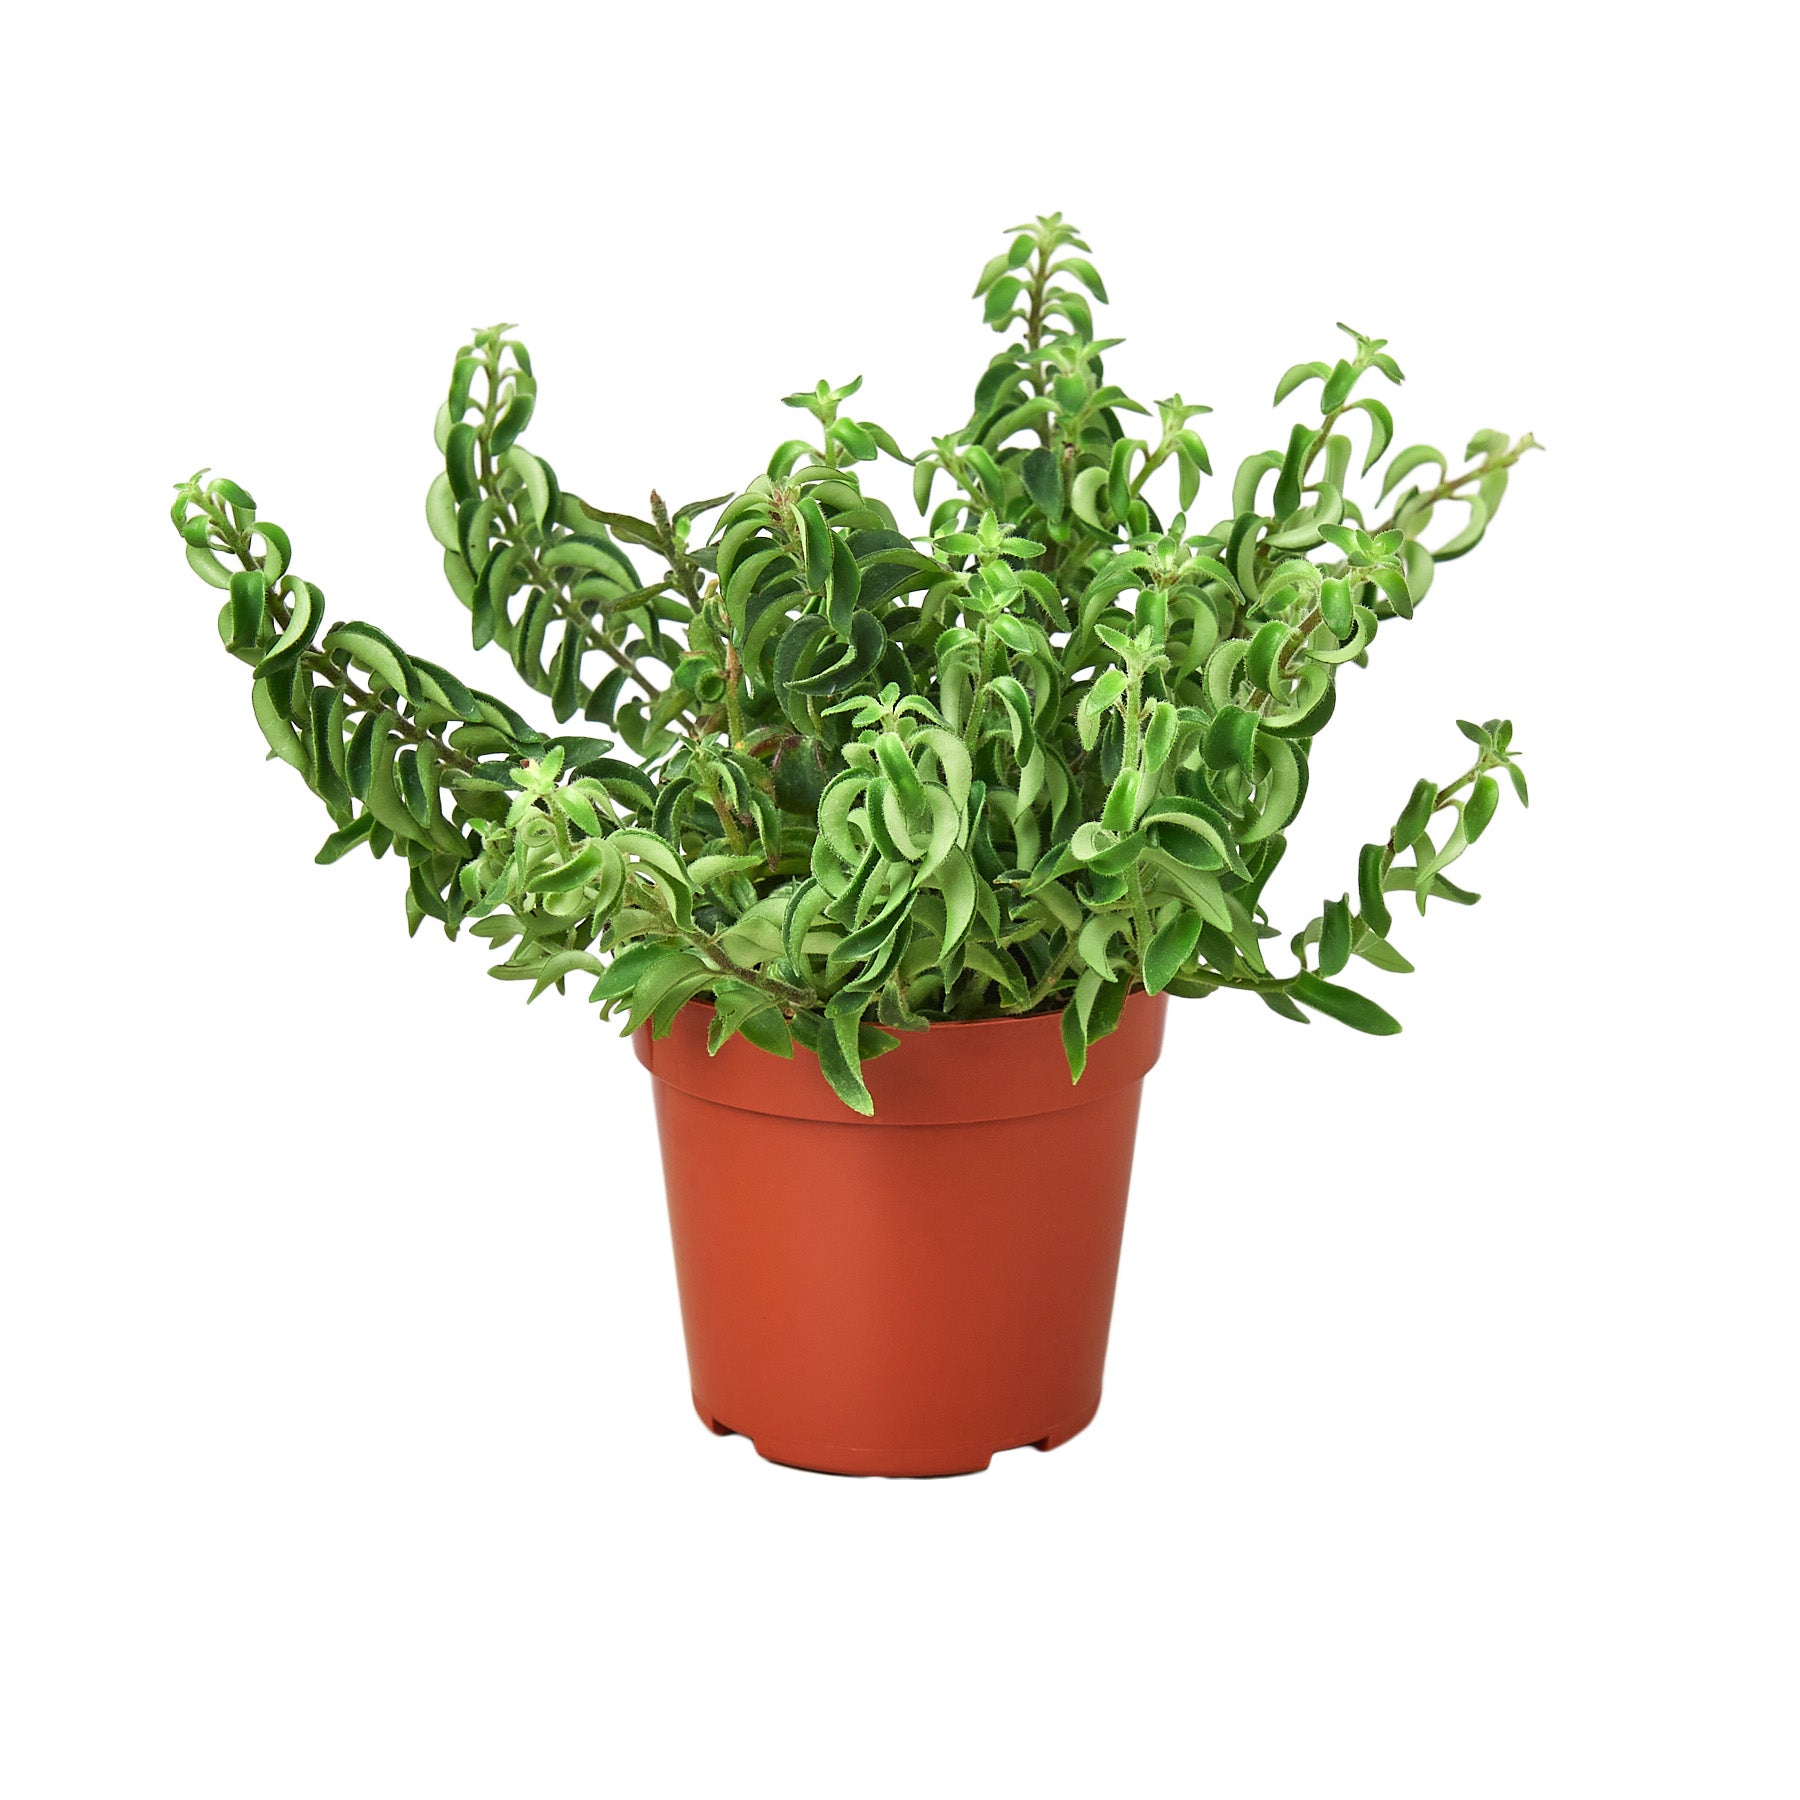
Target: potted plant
(889, 845)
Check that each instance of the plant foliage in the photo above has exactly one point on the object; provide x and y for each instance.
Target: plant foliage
(832, 776)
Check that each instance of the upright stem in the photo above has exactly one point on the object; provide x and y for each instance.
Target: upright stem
(488, 475)
(1140, 912)
(1034, 332)
(734, 704)
(1320, 440)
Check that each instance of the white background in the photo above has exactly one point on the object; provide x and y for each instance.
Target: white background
(1449, 1440)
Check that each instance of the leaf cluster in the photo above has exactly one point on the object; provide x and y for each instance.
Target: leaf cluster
(840, 779)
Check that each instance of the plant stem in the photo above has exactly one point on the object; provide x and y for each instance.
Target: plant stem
(488, 477)
(566, 610)
(1140, 912)
(316, 662)
(1446, 490)
(1321, 440)
(788, 997)
(1050, 977)
(1034, 333)
(734, 705)
(728, 823)
(679, 565)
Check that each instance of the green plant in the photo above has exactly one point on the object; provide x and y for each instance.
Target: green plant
(1040, 754)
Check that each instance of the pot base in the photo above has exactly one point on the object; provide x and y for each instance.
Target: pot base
(814, 1459)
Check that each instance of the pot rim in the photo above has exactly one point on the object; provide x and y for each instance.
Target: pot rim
(937, 1076)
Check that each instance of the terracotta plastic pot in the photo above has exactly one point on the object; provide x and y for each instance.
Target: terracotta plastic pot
(907, 1294)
